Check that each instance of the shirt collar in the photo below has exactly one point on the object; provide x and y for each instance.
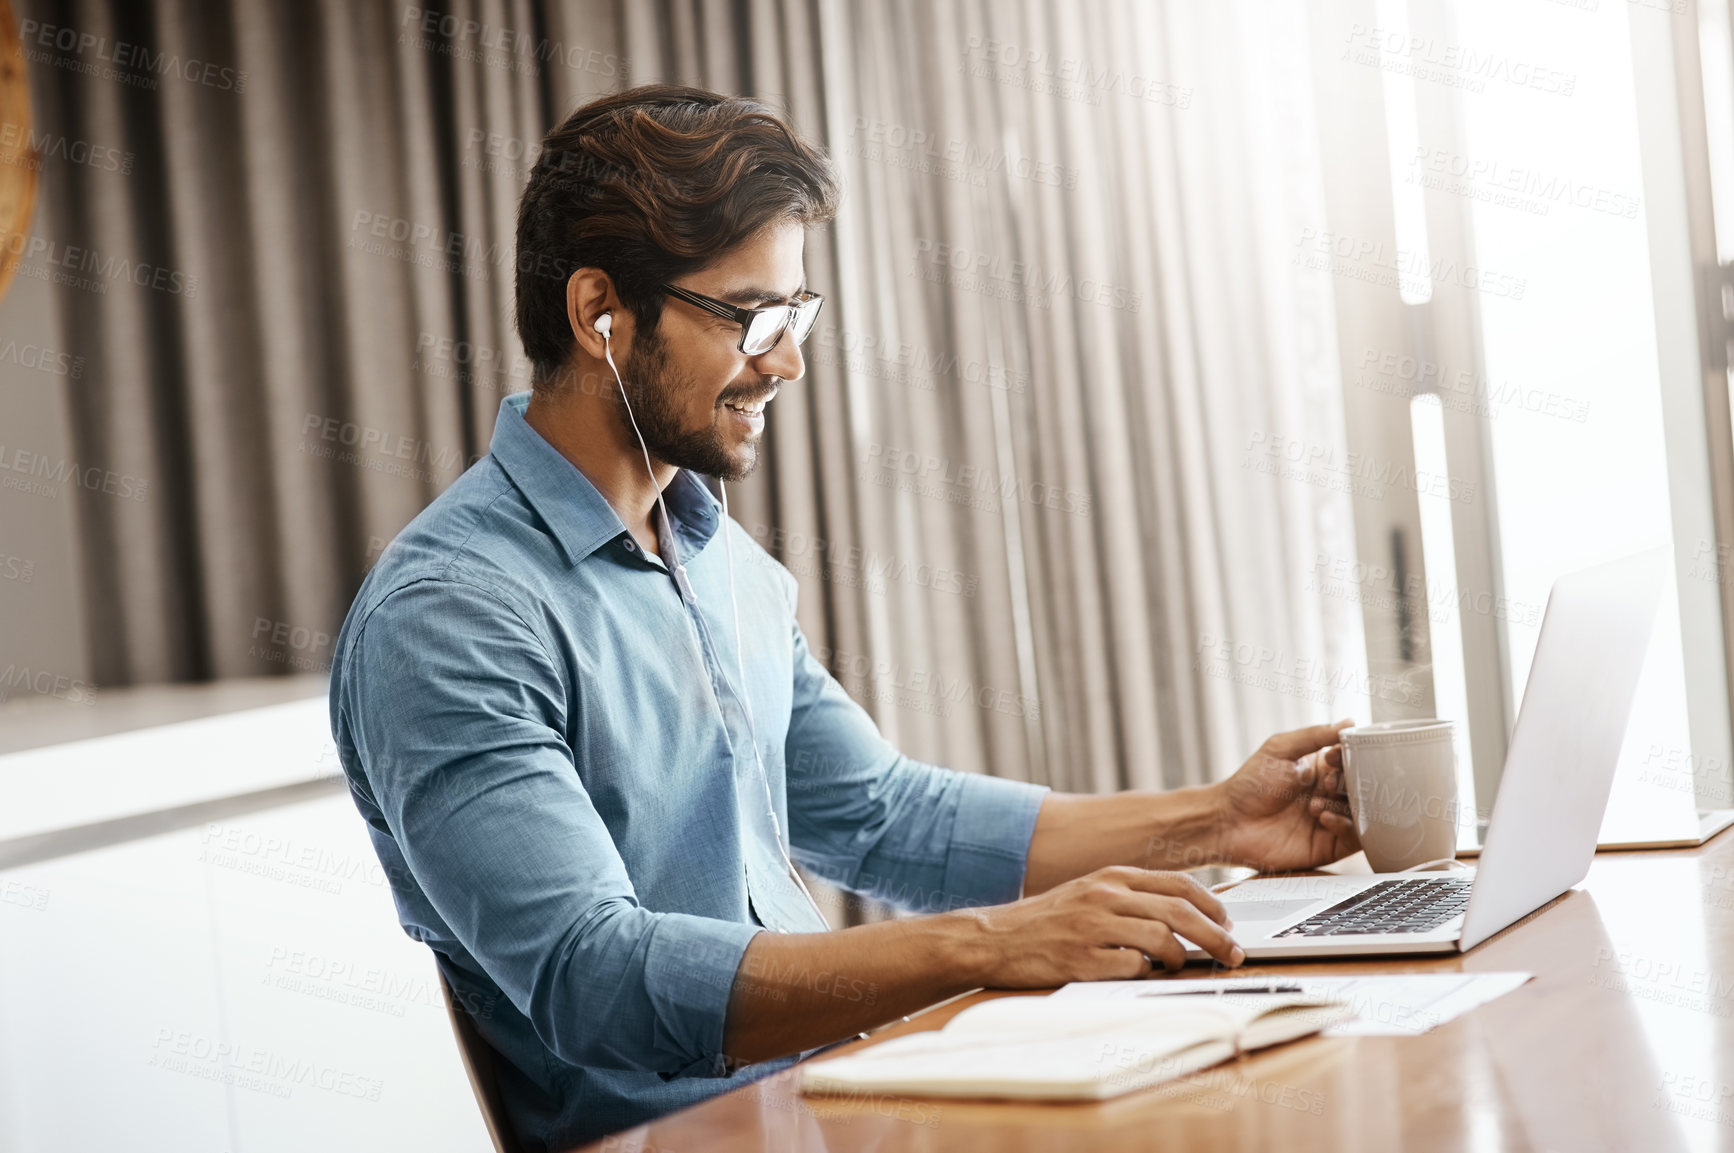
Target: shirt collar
(578, 515)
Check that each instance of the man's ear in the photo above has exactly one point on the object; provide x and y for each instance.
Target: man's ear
(589, 294)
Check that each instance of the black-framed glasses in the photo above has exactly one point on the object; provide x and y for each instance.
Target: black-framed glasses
(761, 328)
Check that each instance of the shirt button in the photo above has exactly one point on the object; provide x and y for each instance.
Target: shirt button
(630, 547)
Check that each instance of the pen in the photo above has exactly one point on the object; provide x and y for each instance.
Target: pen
(1220, 992)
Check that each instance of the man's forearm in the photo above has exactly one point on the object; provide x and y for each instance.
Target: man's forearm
(1079, 833)
(798, 991)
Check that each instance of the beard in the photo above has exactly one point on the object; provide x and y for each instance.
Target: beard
(654, 387)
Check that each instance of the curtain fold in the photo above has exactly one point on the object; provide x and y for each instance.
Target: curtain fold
(1016, 486)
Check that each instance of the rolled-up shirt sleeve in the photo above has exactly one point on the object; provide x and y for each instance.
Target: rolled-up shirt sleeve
(457, 711)
(875, 822)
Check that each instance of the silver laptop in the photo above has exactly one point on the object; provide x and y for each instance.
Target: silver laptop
(1542, 835)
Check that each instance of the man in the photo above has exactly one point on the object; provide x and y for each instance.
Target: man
(584, 763)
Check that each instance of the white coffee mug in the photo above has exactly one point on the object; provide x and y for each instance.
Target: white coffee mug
(1401, 777)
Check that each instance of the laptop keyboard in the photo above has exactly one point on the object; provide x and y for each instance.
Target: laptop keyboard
(1390, 907)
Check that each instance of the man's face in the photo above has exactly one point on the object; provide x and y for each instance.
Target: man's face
(698, 400)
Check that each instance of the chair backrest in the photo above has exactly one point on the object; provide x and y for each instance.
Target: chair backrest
(479, 1060)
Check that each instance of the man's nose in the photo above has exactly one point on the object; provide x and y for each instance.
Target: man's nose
(784, 361)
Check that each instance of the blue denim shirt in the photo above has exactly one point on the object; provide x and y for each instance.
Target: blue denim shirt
(541, 728)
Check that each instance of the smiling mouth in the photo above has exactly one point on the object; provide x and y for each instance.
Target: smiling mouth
(751, 407)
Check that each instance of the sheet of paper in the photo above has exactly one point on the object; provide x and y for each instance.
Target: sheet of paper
(1385, 1004)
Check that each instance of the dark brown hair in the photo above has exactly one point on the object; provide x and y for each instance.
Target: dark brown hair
(648, 185)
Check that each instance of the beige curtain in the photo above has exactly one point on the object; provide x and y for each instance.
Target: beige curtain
(1016, 485)
(335, 208)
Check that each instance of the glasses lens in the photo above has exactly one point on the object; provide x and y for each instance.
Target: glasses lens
(806, 313)
(764, 330)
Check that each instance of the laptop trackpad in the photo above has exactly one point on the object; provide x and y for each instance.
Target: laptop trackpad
(1245, 912)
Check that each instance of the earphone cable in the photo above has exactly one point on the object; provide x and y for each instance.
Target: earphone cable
(734, 603)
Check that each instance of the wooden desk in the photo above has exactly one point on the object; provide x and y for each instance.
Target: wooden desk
(1624, 1041)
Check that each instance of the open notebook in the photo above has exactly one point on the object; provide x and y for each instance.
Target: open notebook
(1060, 1050)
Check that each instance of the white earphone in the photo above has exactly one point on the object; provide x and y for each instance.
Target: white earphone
(604, 325)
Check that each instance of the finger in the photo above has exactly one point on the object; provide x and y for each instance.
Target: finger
(1337, 824)
(1298, 743)
(1119, 963)
(1180, 885)
(1320, 776)
(1158, 942)
(1172, 958)
(1334, 756)
(1176, 915)
(1142, 965)
(1333, 782)
(1319, 805)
